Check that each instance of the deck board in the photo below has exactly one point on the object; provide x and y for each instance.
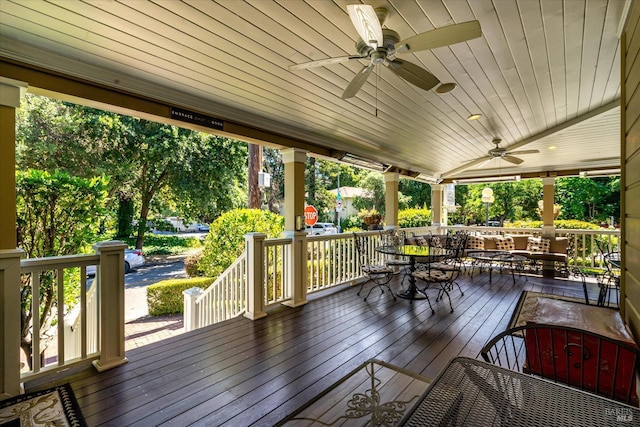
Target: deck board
(243, 372)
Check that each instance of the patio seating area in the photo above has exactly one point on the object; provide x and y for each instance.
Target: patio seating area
(243, 372)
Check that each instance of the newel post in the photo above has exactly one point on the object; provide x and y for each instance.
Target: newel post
(10, 322)
(254, 245)
(190, 318)
(296, 274)
(111, 300)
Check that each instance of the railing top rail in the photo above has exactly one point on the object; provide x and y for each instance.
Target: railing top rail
(277, 241)
(614, 232)
(39, 264)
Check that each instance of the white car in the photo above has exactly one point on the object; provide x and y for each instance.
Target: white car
(133, 258)
(321, 228)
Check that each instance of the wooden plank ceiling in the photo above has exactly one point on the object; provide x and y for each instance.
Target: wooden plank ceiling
(543, 74)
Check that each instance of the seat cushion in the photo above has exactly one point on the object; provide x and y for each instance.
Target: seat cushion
(376, 269)
(433, 275)
(520, 241)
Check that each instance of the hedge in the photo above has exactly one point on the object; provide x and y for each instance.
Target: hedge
(165, 297)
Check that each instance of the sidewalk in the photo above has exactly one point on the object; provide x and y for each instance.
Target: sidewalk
(148, 329)
(144, 329)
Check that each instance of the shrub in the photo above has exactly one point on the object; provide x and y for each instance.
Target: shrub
(570, 224)
(225, 241)
(191, 266)
(414, 218)
(165, 297)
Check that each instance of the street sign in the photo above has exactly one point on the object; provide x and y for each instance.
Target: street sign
(310, 215)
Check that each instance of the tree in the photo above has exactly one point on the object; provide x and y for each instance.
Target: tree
(272, 164)
(419, 193)
(589, 199)
(193, 171)
(57, 214)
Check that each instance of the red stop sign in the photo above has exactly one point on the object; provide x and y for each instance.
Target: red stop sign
(310, 215)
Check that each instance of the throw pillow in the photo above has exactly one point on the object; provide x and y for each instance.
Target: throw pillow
(505, 244)
(420, 241)
(538, 244)
(475, 242)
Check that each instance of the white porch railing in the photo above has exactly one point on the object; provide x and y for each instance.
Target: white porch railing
(57, 345)
(87, 315)
(332, 261)
(583, 248)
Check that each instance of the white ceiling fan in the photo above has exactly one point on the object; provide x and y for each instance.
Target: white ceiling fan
(502, 153)
(380, 46)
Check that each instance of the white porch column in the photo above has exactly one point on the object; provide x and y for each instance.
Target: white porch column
(296, 275)
(11, 91)
(548, 198)
(436, 204)
(391, 180)
(548, 229)
(10, 322)
(111, 300)
(254, 245)
(294, 161)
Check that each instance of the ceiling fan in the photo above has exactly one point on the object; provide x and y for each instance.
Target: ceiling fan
(380, 46)
(502, 153)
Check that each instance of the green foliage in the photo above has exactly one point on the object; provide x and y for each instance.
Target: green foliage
(192, 264)
(351, 224)
(225, 241)
(417, 194)
(414, 218)
(561, 224)
(58, 214)
(589, 199)
(165, 297)
(161, 244)
(373, 182)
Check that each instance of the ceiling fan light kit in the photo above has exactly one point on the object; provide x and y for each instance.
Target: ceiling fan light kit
(445, 87)
(380, 46)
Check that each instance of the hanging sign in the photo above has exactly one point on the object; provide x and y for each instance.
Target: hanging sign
(196, 118)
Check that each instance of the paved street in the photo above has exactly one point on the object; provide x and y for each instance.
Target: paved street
(136, 282)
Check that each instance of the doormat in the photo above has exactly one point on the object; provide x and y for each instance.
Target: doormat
(526, 306)
(53, 407)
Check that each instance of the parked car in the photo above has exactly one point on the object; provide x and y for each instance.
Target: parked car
(203, 228)
(321, 228)
(133, 258)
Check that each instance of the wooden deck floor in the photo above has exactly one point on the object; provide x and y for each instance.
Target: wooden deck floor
(242, 373)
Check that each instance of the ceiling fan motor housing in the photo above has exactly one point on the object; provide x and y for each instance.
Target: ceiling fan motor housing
(390, 38)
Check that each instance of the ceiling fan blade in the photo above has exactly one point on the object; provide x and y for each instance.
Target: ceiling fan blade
(367, 24)
(413, 74)
(439, 37)
(357, 81)
(523, 152)
(511, 159)
(323, 62)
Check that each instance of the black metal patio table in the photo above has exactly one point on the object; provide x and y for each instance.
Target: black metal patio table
(470, 392)
(417, 255)
(493, 258)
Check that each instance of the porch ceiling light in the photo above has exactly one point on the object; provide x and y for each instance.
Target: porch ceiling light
(474, 116)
